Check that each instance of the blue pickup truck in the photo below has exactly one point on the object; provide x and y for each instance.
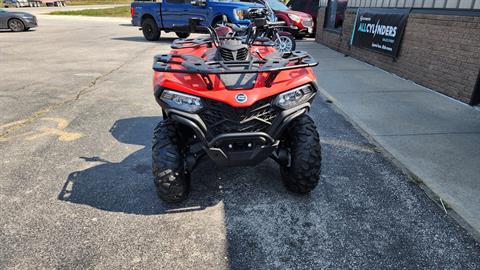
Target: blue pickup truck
(162, 15)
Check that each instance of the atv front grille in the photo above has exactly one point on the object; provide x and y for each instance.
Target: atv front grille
(220, 118)
(229, 55)
(242, 54)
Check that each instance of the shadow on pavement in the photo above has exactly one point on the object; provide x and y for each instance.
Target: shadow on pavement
(364, 214)
(127, 186)
(10, 31)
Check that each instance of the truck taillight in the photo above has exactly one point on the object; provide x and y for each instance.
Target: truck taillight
(132, 11)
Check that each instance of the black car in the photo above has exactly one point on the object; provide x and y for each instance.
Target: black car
(17, 21)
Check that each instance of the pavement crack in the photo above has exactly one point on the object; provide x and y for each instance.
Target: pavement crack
(11, 127)
(92, 84)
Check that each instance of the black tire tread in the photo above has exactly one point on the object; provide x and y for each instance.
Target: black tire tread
(171, 181)
(303, 174)
(156, 31)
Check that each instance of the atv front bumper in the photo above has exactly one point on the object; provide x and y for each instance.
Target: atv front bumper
(237, 149)
(236, 137)
(240, 149)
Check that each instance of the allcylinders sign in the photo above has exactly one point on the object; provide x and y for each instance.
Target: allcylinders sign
(380, 29)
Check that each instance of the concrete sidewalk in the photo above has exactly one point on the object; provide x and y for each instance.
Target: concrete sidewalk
(435, 137)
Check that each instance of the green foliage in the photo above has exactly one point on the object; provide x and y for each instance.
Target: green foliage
(123, 11)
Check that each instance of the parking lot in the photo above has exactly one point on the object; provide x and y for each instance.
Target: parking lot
(76, 189)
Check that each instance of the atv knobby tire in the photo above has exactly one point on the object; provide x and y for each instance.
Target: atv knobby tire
(302, 173)
(171, 180)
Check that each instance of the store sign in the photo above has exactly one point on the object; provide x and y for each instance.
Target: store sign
(379, 29)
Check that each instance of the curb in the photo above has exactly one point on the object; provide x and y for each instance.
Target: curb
(391, 158)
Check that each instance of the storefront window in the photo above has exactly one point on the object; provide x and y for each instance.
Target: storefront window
(335, 14)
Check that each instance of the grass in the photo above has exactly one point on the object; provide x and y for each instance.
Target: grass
(97, 2)
(104, 12)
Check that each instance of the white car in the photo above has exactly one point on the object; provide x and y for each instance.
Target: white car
(16, 3)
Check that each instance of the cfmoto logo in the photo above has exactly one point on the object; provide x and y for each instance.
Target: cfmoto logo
(241, 98)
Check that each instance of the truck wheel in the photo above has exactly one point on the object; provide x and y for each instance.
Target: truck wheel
(217, 21)
(150, 29)
(16, 25)
(182, 35)
(171, 180)
(303, 142)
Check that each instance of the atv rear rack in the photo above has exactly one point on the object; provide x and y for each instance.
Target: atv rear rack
(272, 64)
(185, 43)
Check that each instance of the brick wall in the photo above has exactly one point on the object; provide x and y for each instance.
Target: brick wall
(441, 52)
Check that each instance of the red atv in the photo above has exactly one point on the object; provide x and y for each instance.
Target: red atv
(237, 101)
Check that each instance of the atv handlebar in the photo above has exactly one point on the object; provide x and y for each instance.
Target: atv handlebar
(259, 22)
(194, 26)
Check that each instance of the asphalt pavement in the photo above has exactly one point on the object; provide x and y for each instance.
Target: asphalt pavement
(435, 137)
(76, 189)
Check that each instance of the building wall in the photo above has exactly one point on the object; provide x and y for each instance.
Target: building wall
(441, 52)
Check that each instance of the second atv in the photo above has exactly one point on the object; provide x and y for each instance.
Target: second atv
(237, 101)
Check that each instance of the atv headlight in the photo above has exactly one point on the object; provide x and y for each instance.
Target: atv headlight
(294, 17)
(294, 97)
(181, 101)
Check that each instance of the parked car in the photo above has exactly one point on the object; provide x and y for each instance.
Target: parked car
(34, 3)
(54, 3)
(154, 17)
(306, 6)
(300, 23)
(15, 3)
(17, 21)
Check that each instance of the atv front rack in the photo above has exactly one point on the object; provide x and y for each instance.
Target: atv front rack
(272, 64)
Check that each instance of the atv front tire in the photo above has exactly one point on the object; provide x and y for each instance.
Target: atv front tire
(171, 180)
(302, 173)
(150, 29)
